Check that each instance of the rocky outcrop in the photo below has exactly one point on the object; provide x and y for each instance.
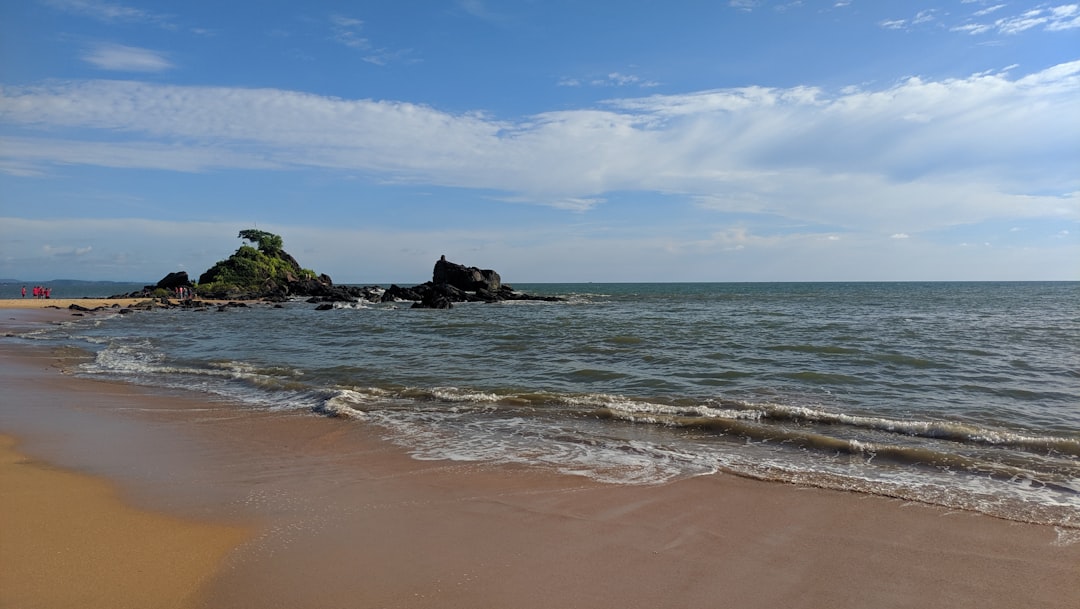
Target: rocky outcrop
(261, 271)
(265, 271)
(452, 282)
(172, 281)
(466, 278)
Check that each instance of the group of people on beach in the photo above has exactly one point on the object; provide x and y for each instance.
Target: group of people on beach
(184, 293)
(39, 292)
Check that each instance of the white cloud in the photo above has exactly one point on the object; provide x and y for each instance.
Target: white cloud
(618, 79)
(744, 5)
(1050, 18)
(111, 12)
(919, 154)
(66, 250)
(990, 9)
(126, 59)
(347, 31)
(925, 16)
(900, 236)
(1066, 17)
(128, 155)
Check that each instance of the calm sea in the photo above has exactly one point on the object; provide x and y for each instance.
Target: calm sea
(958, 394)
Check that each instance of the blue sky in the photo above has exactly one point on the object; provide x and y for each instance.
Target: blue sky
(639, 140)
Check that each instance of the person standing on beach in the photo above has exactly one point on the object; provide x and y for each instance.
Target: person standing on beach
(24, 291)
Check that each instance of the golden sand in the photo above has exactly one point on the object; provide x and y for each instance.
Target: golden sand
(63, 303)
(67, 540)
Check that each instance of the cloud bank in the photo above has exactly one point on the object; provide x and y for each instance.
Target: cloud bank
(986, 146)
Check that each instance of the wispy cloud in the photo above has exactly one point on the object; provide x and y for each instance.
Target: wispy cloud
(744, 5)
(611, 79)
(918, 154)
(922, 17)
(118, 57)
(925, 16)
(1045, 17)
(618, 79)
(66, 250)
(482, 11)
(990, 9)
(112, 12)
(348, 31)
(1050, 18)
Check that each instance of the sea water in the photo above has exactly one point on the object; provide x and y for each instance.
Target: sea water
(964, 395)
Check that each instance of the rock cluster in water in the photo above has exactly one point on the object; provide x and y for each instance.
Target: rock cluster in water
(268, 273)
(450, 283)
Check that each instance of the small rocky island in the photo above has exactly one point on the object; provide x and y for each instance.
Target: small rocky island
(265, 271)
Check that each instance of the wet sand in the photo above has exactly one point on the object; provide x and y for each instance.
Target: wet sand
(342, 518)
(69, 541)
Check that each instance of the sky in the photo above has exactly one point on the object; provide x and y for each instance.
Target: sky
(550, 140)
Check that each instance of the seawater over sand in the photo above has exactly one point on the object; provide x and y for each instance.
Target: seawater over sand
(958, 394)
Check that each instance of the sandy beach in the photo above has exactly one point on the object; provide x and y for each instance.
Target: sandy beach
(296, 510)
(64, 303)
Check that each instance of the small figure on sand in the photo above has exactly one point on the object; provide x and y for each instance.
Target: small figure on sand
(24, 291)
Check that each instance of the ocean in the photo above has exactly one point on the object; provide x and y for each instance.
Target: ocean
(964, 395)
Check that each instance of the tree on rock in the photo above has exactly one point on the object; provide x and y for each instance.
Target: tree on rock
(257, 272)
(268, 243)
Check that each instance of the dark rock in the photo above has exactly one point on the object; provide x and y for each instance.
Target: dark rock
(466, 278)
(175, 280)
(324, 307)
(434, 300)
(396, 292)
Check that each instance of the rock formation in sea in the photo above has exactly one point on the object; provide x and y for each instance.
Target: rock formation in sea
(265, 271)
(450, 282)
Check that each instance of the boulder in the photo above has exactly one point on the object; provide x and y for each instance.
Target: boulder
(466, 278)
(175, 280)
(434, 299)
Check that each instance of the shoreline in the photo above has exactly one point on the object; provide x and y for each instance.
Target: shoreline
(8, 304)
(342, 517)
(64, 303)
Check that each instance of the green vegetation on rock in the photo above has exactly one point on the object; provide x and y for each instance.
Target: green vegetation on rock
(253, 269)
